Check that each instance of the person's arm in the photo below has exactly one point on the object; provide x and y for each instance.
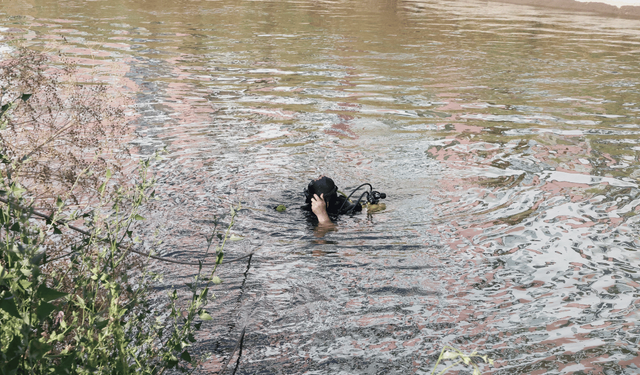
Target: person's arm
(319, 208)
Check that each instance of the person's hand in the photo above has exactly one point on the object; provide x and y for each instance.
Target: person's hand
(319, 207)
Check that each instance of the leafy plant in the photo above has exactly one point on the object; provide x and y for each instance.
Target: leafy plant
(103, 323)
(59, 136)
(74, 299)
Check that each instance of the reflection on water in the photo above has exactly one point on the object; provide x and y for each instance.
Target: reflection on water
(506, 138)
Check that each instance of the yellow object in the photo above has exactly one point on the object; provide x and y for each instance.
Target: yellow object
(376, 207)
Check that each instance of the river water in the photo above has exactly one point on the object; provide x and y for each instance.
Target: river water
(506, 137)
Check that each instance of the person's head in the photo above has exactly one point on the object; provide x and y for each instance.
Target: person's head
(322, 185)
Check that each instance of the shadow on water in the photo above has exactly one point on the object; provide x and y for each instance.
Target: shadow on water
(506, 138)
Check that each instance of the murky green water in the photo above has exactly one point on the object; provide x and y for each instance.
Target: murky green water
(506, 137)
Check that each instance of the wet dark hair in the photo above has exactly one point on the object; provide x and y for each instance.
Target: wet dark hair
(323, 185)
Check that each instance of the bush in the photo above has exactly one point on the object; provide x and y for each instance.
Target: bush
(71, 299)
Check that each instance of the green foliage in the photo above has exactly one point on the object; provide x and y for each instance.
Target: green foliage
(99, 325)
(77, 301)
(29, 329)
(451, 353)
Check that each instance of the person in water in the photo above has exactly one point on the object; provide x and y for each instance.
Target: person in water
(324, 201)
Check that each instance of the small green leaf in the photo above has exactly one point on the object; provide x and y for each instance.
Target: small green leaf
(108, 173)
(15, 227)
(38, 349)
(101, 324)
(49, 294)
(204, 293)
(205, 316)
(44, 310)
(65, 365)
(220, 257)
(172, 361)
(233, 237)
(185, 356)
(281, 208)
(216, 280)
(25, 284)
(138, 217)
(9, 306)
(59, 202)
(37, 258)
(25, 97)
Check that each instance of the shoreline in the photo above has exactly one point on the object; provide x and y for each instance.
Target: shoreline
(615, 8)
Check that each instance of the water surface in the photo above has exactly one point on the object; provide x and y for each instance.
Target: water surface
(506, 138)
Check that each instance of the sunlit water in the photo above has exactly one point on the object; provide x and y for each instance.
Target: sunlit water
(506, 139)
